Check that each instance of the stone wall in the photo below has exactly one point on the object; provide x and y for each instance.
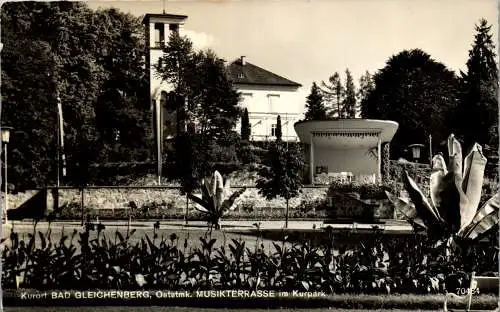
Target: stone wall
(117, 198)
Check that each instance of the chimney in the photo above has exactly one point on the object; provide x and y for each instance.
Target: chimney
(242, 60)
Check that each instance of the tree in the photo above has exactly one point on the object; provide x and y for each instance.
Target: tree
(280, 174)
(211, 100)
(279, 132)
(246, 129)
(478, 110)
(334, 91)
(418, 93)
(315, 107)
(94, 62)
(365, 87)
(349, 99)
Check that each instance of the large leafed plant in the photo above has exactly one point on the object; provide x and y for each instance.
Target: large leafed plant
(452, 212)
(216, 200)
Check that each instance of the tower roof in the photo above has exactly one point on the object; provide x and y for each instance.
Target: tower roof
(148, 16)
(242, 72)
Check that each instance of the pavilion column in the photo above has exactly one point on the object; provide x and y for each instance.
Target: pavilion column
(311, 159)
(379, 160)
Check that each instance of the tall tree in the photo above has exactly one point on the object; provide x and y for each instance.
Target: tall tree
(279, 132)
(280, 174)
(365, 87)
(418, 93)
(334, 91)
(211, 101)
(349, 98)
(314, 104)
(478, 110)
(246, 129)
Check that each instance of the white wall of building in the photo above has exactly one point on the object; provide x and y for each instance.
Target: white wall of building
(265, 103)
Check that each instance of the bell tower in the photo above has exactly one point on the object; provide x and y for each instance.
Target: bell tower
(158, 28)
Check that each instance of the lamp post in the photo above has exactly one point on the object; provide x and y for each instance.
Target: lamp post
(416, 151)
(5, 141)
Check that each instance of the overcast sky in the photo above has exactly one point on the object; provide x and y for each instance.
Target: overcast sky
(308, 41)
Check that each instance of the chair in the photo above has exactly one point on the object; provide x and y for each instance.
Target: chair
(478, 284)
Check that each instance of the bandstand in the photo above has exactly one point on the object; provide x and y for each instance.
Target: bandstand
(345, 149)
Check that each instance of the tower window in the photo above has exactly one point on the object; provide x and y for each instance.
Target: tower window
(159, 35)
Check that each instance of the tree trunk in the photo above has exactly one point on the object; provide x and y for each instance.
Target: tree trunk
(187, 210)
(286, 214)
(83, 213)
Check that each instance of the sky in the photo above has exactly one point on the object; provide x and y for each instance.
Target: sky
(309, 40)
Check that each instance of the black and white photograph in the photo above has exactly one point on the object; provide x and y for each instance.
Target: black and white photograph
(252, 155)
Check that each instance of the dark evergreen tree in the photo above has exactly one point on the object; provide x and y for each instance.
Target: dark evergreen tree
(279, 132)
(418, 93)
(366, 86)
(315, 107)
(246, 129)
(478, 111)
(349, 98)
(334, 91)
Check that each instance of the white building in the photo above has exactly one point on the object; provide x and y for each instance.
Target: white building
(267, 95)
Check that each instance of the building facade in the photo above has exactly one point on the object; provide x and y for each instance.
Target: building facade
(266, 95)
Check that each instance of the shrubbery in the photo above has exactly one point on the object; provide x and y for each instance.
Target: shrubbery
(377, 264)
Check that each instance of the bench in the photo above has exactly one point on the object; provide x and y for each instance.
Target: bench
(478, 284)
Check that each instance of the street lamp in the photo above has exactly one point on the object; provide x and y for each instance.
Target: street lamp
(416, 151)
(5, 141)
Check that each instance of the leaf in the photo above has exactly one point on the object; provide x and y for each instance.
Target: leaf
(472, 183)
(228, 204)
(424, 209)
(42, 239)
(436, 181)
(482, 226)
(407, 209)
(140, 280)
(480, 220)
(203, 203)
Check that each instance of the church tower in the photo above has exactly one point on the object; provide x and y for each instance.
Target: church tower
(158, 28)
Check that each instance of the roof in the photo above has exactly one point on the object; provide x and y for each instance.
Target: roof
(157, 15)
(254, 75)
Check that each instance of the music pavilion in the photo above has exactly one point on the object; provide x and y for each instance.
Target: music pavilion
(345, 149)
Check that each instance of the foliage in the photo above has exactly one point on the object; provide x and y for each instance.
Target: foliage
(314, 104)
(366, 86)
(215, 200)
(478, 110)
(333, 93)
(452, 214)
(51, 50)
(200, 77)
(371, 265)
(246, 129)
(365, 190)
(280, 174)
(418, 93)
(279, 131)
(349, 100)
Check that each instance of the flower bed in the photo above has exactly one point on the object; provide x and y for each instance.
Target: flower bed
(375, 265)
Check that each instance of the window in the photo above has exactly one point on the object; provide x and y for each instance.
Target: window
(159, 35)
(273, 129)
(241, 76)
(273, 100)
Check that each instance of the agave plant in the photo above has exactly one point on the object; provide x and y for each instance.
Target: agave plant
(215, 200)
(452, 212)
